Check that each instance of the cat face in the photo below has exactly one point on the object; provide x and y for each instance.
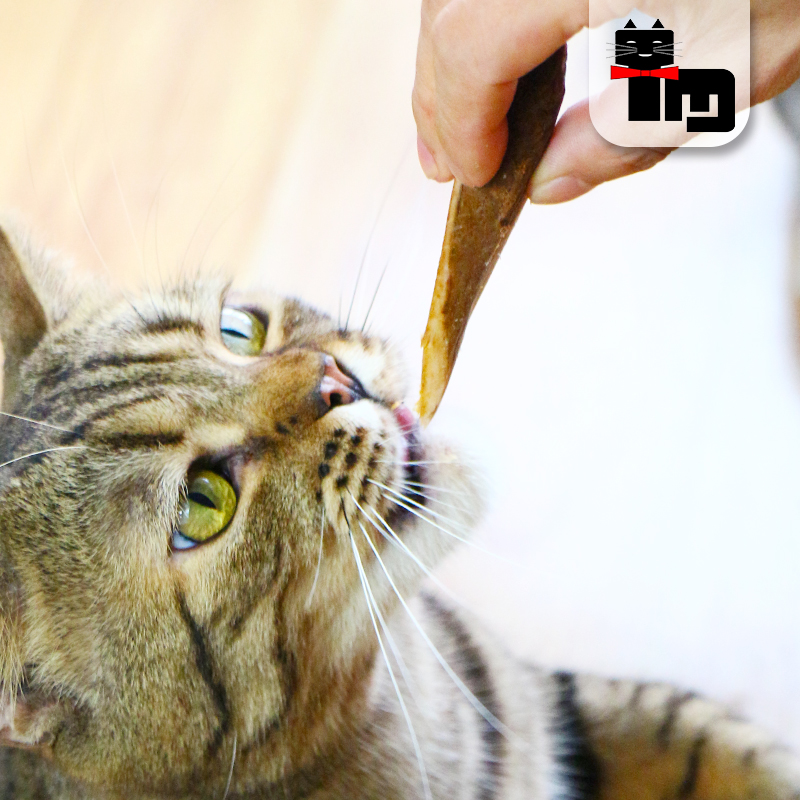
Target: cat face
(648, 48)
(183, 562)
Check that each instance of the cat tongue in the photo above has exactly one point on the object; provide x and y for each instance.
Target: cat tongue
(405, 418)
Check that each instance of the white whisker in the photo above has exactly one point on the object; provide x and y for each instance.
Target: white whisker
(420, 506)
(375, 294)
(42, 452)
(407, 677)
(443, 530)
(499, 726)
(398, 542)
(438, 489)
(319, 559)
(395, 462)
(72, 185)
(230, 774)
(35, 422)
(367, 593)
(374, 227)
(118, 184)
(431, 498)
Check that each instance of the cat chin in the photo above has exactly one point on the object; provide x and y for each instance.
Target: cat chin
(454, 487)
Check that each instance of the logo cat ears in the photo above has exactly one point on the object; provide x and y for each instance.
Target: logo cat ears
(656, 24)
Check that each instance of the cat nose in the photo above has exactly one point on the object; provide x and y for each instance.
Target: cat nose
(336, 388)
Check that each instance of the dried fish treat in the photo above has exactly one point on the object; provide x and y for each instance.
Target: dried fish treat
(479, 223)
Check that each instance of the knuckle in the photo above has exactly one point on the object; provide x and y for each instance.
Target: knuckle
(639, 159)
(423, 104)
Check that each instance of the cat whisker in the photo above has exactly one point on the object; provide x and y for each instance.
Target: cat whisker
(490, 718)
(230, 774)
(419, 491)
(392, 536)
(367, 595)
(43, 452)
(411, 463)
(244, 150)
(392, 250)
(420, 506)
(125, 209)
(375, 294)
(439, 489)
(72, 185)
(373, 228)
(432, 498)
(409, 495)
(153, 207)
(36, 422)
(408, 678)
(224, 220)
(319, 559)
(438, 527)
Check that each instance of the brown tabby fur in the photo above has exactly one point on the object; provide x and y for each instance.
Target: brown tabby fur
(129, 670)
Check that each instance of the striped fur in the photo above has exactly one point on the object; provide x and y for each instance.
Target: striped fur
(250, 667)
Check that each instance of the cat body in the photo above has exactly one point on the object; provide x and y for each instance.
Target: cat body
(214, 514)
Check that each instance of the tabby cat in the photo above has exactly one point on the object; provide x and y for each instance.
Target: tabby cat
(214, 510)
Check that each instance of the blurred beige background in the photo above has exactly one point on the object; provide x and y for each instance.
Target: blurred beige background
(629, 379)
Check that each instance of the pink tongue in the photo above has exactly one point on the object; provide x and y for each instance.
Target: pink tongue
(405, 418)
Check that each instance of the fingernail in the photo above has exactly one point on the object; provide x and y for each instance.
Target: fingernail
(559, 190)
(426, 160)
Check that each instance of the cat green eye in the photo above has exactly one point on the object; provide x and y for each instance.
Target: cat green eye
(206, 510)
(242, 332)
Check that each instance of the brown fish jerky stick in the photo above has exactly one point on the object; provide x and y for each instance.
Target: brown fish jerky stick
(479, 222)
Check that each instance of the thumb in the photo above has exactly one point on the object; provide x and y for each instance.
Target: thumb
(578, 158)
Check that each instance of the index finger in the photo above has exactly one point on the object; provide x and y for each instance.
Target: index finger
(479, 50)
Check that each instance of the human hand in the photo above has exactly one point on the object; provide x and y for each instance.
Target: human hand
(472, 52)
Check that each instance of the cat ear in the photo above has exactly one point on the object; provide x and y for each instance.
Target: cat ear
(657, 24)
(22, 318)
(36, 292)
(629, 24)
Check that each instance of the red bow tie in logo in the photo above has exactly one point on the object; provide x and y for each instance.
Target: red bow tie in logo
(670, 73)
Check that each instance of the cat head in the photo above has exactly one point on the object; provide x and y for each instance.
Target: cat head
(184, 540)
(644, 48)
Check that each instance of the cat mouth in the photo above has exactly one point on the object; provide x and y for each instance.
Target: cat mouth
(411, 455)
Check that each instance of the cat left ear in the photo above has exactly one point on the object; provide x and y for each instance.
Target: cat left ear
(36, 292)
(22, 318)
(657, 24)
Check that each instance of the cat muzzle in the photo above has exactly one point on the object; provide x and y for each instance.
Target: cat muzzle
(338, 389)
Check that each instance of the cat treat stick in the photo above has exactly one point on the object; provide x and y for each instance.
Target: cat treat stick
(479, 222)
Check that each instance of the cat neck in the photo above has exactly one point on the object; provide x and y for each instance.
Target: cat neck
(377, 756)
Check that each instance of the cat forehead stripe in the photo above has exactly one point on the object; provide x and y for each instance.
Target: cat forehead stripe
(174, 324)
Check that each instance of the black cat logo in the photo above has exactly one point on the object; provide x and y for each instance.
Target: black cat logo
(644, 57)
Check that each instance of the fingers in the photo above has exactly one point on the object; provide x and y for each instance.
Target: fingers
(423, 97)
(471, 53)
(578, 159)
(775, 49)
